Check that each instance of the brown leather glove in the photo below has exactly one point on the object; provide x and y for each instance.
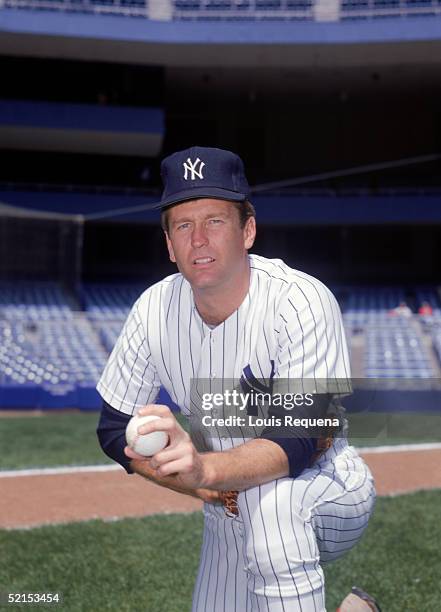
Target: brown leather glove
(323, 445)
(229, 500)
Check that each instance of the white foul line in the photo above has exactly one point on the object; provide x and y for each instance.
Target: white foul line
(399, 448)
(60, 470)
(55, 471)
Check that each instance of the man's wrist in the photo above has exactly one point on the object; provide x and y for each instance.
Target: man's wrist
(209, 476)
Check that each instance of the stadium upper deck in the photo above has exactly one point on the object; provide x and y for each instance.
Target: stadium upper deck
(311, 10)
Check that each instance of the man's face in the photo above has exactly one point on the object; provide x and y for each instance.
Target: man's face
(206, 241)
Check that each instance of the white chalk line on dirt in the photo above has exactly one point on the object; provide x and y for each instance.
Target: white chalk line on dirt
(55, 471)
(399, 448)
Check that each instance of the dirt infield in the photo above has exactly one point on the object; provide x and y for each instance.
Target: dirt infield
(32, 500)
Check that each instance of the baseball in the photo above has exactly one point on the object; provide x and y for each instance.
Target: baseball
(147, 444)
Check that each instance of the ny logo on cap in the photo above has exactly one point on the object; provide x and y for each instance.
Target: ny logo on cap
(191, 167)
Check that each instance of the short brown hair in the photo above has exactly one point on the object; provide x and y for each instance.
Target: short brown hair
(245, 210)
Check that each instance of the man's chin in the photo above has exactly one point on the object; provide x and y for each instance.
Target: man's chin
(202, 281)
(203, 285)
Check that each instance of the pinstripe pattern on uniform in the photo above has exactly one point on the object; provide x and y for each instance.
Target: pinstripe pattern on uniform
(289, 326)
(130, 368)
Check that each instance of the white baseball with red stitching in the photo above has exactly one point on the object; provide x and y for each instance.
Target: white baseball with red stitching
(145, 444)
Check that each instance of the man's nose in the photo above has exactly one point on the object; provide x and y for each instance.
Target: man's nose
(199, 236)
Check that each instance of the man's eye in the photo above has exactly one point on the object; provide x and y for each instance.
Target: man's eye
(183, 226)
(215, 221)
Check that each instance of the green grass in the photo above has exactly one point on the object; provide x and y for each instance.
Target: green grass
(399, 559)
(69, 439)
(128, 565)
(150, 564)
(50, 440)
(403, 428)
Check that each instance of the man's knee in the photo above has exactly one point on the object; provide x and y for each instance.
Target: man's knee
(340, 526)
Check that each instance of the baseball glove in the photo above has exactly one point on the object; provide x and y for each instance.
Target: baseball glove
(229, 500)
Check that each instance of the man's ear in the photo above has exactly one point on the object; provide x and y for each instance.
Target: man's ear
(249, 232)
(171, 252)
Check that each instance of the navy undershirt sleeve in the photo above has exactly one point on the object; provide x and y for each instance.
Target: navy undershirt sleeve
(300, 449)
(111, 432)
(299, 452)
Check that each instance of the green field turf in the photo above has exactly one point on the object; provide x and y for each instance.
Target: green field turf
(50, 440)
(369, 429)
(69, 439)
(149, 564)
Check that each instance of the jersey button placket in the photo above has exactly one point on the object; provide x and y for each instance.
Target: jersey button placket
(214, 411)
(212, 373)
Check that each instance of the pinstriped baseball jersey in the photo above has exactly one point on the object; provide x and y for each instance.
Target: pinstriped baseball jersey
(288, 320)
(288, 327)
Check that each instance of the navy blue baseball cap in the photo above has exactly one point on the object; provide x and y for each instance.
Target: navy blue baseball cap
(203, 172)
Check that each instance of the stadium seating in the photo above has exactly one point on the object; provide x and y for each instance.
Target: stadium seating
(367, 305)
(437, 343)
(281, 10)
(107, 307)
(52, 353)
(131, 8)
(394, 349)
(394, 344)
(34, 300)
(51, 356)
(110, 299)
(48, 359)
(429, 296)
(365, 9)
(243, 9)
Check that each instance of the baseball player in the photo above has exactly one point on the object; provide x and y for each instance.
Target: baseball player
(275, 508)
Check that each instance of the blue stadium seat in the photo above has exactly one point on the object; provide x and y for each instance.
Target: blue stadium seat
(270, 5)
(299, 4)
(52, 357)
(191, 5)
(218, 4)
(354, 4)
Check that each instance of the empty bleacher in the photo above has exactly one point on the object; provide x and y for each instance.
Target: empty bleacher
(109, 299)
(107, 307)
(32, 300)
(437, 343)
(394, 349)
(52, 353)
(374, 9)
(239, 10)
(129, 8)
(395, 339)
